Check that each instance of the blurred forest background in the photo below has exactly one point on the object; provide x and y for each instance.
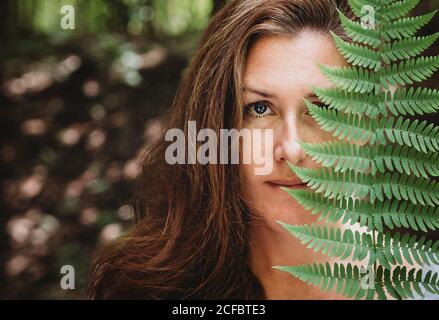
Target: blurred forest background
(76, 109)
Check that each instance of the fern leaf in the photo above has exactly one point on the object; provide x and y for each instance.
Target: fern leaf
(357, 5)
(349, 102)
(333, 241)
(396, 214)
(411, 133)
(345, 244)
(345, 126)
(385, 183)
(405, 160)
(416, 250)
(420, 101)
(335, 184)
(398, 9)
(358, 55)
(416, 190)
(405, 27)
(340, 155)
(330, 210)
(400, 284)
(343, 156)
(410, 71)
(391, 213)
(407, 48)
(349, 280)
(354, 184)
(353, 79)
(358, 34)
(346, 280)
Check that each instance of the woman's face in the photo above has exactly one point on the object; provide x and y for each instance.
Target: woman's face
(278, 74)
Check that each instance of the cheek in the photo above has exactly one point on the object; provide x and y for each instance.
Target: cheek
(267, 206)
(312, 133)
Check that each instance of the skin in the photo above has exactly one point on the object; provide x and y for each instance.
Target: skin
(278, 74)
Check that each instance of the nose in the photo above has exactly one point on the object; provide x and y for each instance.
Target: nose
(287, 148)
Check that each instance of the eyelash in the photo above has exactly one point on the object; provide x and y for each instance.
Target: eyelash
(249, 106)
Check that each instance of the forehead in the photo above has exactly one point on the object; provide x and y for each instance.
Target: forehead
(291, 61)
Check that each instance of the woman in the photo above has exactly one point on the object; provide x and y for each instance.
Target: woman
(210, 231)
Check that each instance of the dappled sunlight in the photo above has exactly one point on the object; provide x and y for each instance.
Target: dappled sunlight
(91, 88)
(89, 216)
(79, 107)
(32, 185)
(96, 139)
(110, 232)
(17, 264)
(126, 212)
(42, 77)
(34, 127)
(131, 169)
(70, 136)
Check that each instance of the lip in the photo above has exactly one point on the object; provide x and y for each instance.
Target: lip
(285, 184)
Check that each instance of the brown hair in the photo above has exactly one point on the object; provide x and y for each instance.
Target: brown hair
(190, 236)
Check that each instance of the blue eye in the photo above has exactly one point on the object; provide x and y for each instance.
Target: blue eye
(258, 110)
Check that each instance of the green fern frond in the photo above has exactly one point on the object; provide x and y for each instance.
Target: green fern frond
(331, 210)
(420, 101)
(352, 79)
(398, 9)
(352, 283)
(335, 184)
(345, 280)
(414, 249)
(358, 55)
(410, 71)
(405, 27)
(401, 285)
(356, 32)
(350, 102)
(417, 190)
(354, 184)
(411, 133)
(345, 244)
(356, 5)
(333, 242)
(384, 181)
(340, 155)
(390, 213)
(407, 48)
(343, 125)
(343, 156)
(396, 213)
(405, 160)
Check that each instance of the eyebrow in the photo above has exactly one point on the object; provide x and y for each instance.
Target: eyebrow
(310, 95)
(259, 92)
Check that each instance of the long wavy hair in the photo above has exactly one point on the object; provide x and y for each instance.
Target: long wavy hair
(190, 240)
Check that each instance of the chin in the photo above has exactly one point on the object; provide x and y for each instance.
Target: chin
(270, 212)
(268, 204)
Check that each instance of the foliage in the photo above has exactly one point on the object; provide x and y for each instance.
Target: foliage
(385, 183)
(77, 109)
